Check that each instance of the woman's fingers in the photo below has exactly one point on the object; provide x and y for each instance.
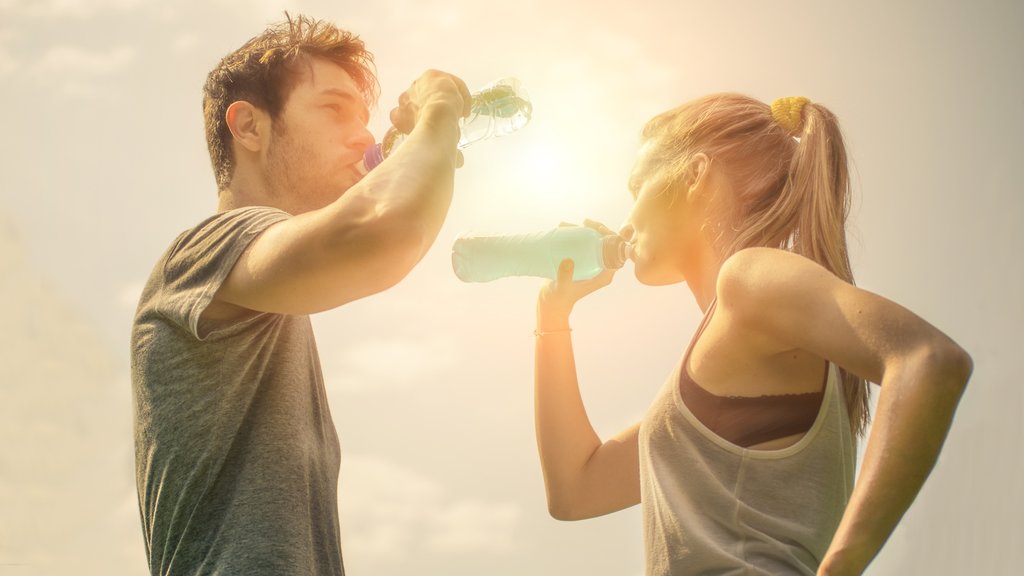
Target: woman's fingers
(599, 227)
(565, 269)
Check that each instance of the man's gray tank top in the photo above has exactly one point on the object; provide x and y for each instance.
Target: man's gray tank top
(712, 507)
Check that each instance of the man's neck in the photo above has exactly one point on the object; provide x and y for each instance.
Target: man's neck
(241, 193)
(227, 201)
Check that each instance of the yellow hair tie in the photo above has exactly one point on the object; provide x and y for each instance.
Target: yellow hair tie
(789, 113)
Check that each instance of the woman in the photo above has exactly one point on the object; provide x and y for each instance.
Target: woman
(744, 463)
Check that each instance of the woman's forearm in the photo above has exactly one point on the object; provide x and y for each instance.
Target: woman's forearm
(918, 399)
(583, 476)
(565, 438)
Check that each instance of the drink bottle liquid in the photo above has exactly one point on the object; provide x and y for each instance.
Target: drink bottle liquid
(486, 258)
(500, 108)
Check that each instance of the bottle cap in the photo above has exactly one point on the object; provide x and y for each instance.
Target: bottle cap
(372, 157)
(376, 154)
(615, 251)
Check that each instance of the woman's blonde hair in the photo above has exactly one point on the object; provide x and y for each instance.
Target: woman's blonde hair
(790, 181)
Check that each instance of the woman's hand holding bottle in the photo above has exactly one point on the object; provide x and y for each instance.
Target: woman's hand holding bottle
(558, 297)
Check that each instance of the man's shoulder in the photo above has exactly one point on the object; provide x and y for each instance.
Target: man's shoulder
(244, 216)
(211, 234)
(185, 277)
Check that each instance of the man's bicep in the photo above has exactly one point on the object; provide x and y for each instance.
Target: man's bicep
(307, 264)
(276, 273)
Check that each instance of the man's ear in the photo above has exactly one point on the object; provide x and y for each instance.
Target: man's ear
(248, 124)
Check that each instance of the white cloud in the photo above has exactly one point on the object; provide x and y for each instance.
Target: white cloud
(74, 72)
(63, 60)
(474, 526)
(267, 10)
(383, 505)
(65, 8)
(391, 512)
(443, 14)
(185, 42)
(392, 362)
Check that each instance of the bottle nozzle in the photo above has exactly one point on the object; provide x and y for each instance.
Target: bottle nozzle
(371, 158)
(376, 154)
(615, 251)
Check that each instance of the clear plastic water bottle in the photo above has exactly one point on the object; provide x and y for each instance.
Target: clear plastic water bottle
(500, 108)
(486, 258)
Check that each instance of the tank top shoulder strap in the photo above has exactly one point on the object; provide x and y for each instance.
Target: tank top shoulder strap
(700, 330)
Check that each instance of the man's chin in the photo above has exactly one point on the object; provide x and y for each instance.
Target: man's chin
(347, 180)
(354, 174)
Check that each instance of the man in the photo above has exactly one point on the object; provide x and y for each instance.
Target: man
(236, 454)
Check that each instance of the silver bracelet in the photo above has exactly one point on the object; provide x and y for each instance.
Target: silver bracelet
(539, 333)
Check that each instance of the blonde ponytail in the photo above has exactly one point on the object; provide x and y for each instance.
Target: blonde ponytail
(819, 185)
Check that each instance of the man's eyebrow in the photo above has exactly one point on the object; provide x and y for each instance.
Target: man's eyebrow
(350, 97)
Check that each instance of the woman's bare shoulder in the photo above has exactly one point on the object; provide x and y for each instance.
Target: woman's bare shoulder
(760, 276)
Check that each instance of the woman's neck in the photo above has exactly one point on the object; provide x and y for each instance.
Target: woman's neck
(702, 274)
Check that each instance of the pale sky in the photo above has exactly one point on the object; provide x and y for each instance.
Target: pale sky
(103, 161)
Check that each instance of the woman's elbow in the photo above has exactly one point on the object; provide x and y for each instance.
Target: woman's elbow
(951, 364)
(960, 365)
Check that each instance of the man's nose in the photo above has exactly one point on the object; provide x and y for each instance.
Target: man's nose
(362, 139)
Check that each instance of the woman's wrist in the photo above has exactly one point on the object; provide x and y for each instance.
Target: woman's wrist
(552, 325)
(552, 320)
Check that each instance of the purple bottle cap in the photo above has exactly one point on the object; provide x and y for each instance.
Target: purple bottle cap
(372, 157)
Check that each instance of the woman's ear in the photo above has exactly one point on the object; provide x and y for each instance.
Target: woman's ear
(248, 124)
(696, 177)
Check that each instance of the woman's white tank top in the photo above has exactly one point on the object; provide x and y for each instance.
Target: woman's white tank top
(712, 507)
